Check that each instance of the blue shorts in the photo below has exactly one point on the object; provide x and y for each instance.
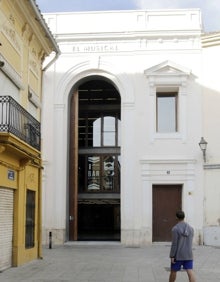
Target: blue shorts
(187, 264)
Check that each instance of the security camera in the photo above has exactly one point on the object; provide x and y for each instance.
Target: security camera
(2, 64)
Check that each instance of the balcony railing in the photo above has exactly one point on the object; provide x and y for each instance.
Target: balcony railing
(16, 120)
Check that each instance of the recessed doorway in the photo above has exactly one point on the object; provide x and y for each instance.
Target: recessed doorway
(94, 167)
(99, 222)
(167, 199)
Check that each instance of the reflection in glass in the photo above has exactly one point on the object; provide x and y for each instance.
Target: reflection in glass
(106, 132)
(97, 133)
(93, 180)
(109, 167)
(109, 131)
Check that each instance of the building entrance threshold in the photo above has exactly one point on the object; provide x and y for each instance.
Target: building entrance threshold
(92, 243)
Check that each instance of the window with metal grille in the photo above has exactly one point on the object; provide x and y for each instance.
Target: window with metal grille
(30, 219)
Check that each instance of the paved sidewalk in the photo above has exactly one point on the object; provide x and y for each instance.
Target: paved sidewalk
(112, 262)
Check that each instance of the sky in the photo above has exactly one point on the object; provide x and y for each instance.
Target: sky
(210, 8)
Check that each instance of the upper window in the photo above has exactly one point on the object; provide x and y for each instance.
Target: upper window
(166, 112)
(102, 131)
(99, 115)
(106, 132)
(168, 91)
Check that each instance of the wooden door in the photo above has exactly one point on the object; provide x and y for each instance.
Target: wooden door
(167, 199)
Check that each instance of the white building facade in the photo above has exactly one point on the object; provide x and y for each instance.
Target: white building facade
(124, 109)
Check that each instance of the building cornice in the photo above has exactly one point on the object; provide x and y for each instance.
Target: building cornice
(210, 39)
(38, 25)
(147, 34)
(127, 22)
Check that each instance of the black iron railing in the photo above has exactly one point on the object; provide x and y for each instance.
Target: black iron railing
(16, 120)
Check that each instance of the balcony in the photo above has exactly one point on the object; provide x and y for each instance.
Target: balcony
(16, 120)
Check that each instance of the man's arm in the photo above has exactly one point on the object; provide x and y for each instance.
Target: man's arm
(174, 244)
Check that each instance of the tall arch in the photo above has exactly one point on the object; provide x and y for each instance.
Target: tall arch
(95, 67)
(94, 161)
(66, 85)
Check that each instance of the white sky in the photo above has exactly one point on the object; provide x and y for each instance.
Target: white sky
(210, 8)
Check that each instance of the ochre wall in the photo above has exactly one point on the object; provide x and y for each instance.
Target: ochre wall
(24, 45)
(26, 165)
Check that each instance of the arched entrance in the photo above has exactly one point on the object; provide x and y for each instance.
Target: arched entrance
(94, 167)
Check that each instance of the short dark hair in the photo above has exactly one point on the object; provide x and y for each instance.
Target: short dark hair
(180, 214)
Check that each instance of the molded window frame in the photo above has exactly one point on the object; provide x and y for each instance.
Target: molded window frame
(168, 77)
(159, 115)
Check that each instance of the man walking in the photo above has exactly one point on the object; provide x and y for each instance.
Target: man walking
(181, 248)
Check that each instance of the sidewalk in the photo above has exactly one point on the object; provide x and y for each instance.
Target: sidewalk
(112, 262)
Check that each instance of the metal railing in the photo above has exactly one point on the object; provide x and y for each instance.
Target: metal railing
(16, 120)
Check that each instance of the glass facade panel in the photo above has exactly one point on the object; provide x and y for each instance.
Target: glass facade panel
(97, 133)
(93, 179)
(109, 131)
(99, 173)
(109, 172)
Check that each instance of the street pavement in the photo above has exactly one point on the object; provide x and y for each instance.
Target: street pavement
(112, 262)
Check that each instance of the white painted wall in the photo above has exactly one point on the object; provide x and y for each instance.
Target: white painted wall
(211, 124)
(138, 51)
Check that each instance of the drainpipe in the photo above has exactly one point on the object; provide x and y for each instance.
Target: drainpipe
(51, 62)
(56, 49)
(40, 255)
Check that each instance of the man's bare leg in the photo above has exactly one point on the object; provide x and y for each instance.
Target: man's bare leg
(191, 275)
(172, 277)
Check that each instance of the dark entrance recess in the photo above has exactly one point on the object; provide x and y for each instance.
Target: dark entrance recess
(167, 199)
(99, 222)
(94, 191)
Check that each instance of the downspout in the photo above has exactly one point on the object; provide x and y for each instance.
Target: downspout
(56, 49)
(40, 255)
(51, 61)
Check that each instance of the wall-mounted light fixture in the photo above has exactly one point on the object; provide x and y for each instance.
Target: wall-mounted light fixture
(203, 145)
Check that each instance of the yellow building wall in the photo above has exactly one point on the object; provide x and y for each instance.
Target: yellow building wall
(8, 164)
(28, 179)
(23, 50)
(27, 176)
(10, 37)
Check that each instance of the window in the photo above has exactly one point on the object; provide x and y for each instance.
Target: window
(168, 95)
(106, 132)
(166, 112)
(99, 132)
(99, 173)
(30, 219)
(93, 182)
